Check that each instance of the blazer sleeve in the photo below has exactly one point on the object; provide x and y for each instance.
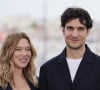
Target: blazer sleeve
(42, 79)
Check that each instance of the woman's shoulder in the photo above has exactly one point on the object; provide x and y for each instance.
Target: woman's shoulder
(7, 88)
(1, 88)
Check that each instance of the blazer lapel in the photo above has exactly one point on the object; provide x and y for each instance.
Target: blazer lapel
(63, 67)
(85, 66)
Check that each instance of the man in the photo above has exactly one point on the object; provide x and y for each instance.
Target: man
(77, 67)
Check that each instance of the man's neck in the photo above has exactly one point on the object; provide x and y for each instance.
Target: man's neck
(75, 53)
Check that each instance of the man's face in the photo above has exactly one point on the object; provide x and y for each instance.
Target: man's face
(75, 34)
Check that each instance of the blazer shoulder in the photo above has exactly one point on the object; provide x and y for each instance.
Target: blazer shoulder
(51, 61)
(97, 57)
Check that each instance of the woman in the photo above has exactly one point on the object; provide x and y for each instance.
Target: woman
(17, 69)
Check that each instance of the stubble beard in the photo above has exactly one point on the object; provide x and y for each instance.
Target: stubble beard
(74, 48)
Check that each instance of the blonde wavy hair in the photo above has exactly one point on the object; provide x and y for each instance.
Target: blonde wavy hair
(6, 54)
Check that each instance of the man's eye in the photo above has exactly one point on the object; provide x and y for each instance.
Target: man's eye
(81, 28)
(69, 28)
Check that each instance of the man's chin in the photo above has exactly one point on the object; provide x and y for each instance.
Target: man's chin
(75, 47)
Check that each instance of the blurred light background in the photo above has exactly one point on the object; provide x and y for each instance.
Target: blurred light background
(40, 19)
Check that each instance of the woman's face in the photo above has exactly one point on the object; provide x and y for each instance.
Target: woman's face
(22, 54)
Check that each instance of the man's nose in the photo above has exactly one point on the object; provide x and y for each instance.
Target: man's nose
(75, 33)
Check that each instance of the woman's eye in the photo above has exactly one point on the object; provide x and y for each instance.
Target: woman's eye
(28, 49)
(17, 49)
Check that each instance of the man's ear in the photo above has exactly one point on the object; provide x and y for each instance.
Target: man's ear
(88, 31)
(63, 30)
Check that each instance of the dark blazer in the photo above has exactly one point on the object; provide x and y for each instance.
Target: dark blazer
(29, 83)
(55, 75)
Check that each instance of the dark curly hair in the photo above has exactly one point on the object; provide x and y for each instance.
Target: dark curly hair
(74, 13)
